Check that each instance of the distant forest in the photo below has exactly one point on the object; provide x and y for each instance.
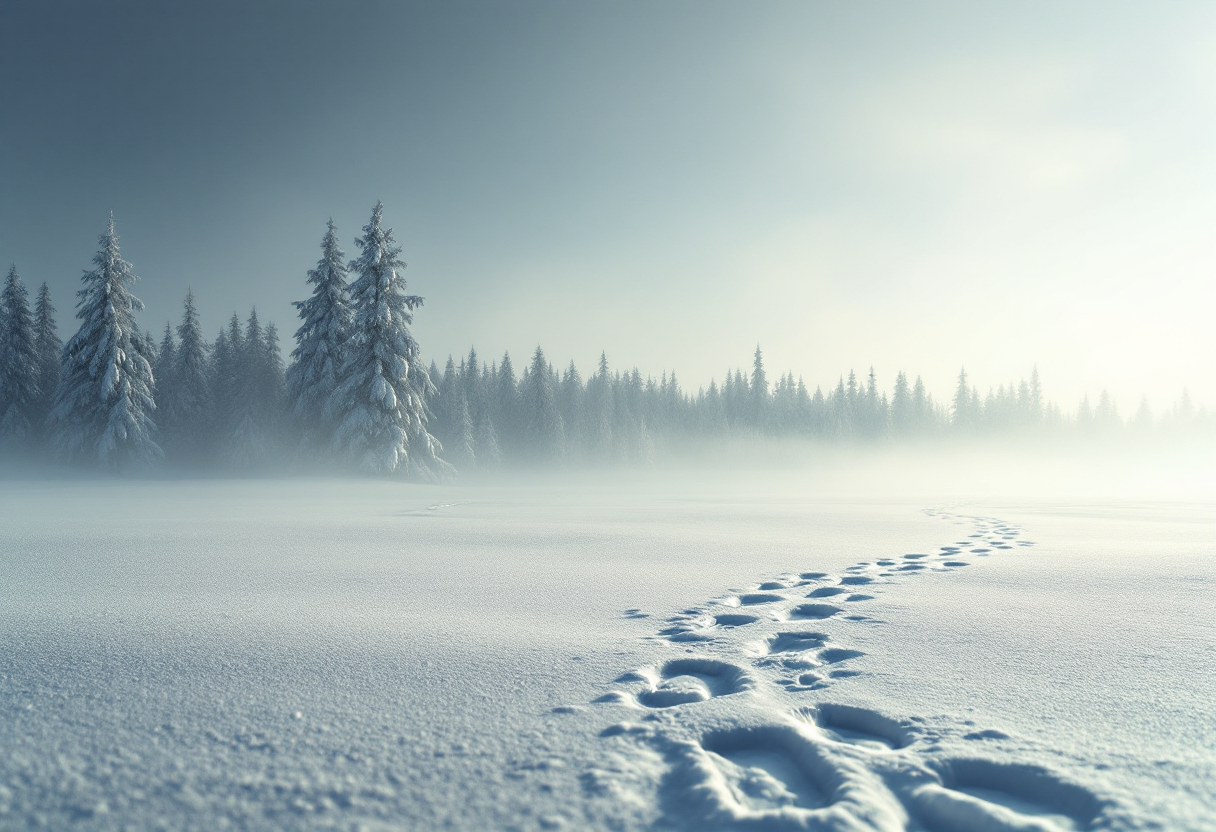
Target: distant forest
(357, 395)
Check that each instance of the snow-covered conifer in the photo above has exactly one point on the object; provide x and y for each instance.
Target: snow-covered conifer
(544, 431)
(104, 403)
(462, 442)
(164, 368)
(19, 392)
(187, 405)
(380, 405)
(489, 454)
(256, 392)
(47, 348)
(316, 366)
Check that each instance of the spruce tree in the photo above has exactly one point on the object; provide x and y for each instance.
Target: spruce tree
(600, 412)
(47, 348)
(964, 416)
(316, 361)
(380, 405)
(506, 404)
(104, 403)
(544, 431)
(189, 409)
(19, 392)
(759, 393)
(164, 368)
(461, 451)
(901, 405)
(489, 454)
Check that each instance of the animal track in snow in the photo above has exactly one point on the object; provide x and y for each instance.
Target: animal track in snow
(857, 726)
(826, 592)
(795, 642)
(856, 580)
(681, 681)
(814, 611)
(976, 794)
(752, 599)
(842, 766)
(735, 619)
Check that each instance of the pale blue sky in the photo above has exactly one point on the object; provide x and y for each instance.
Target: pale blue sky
(908, 186)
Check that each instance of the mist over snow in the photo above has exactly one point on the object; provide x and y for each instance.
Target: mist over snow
(635, 417)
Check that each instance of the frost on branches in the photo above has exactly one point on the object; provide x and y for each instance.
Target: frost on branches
(379, 408)
(103, 406)
(18, 363)
(314, 374)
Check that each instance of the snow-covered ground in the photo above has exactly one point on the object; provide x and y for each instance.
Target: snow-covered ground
(722, 651)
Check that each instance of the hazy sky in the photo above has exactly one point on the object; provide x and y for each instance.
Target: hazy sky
(916, 186)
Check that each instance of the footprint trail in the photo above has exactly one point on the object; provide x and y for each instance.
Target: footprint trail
(735, 754)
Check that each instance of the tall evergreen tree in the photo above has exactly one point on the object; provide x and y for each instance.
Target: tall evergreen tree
(316, 365)
(380, 405)
(19, 392)
(462, 442)
(759, 393)
(104, 404)
(188, 406)
(164, 368)
(964, 408)
(47, 348)
(901, 406)
(506, 404)
(544, 431)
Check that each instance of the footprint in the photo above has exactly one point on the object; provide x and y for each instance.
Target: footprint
(860, 597)
(762, 774)
(813, 576)
(1004, 797)
(773, 777)
(681, 681)
(774, 585)
(955, 563)
(795, 642)
(825, 592)
(857, 726)
(814, 611)
(856, 580)
(832, 655)
(753, 598)
(735, 619)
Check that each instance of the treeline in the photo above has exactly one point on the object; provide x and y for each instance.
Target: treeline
(484, 413)
(357, 394)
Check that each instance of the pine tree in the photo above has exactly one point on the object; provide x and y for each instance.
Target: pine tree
(104, 404)
(258, 382)
(380, 405)
(164, 369)
(19, 392)
(506, 404)
(964, 416)
(901, 406)
(226, 383)
(316, 367)
(759, 393)
(47, 348)
(544, 431)
(189, 408)
(462, 442)
(489, 454)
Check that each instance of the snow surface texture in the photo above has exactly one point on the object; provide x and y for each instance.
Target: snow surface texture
(365, 655)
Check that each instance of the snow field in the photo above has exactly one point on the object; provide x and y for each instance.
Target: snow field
(367, 655)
